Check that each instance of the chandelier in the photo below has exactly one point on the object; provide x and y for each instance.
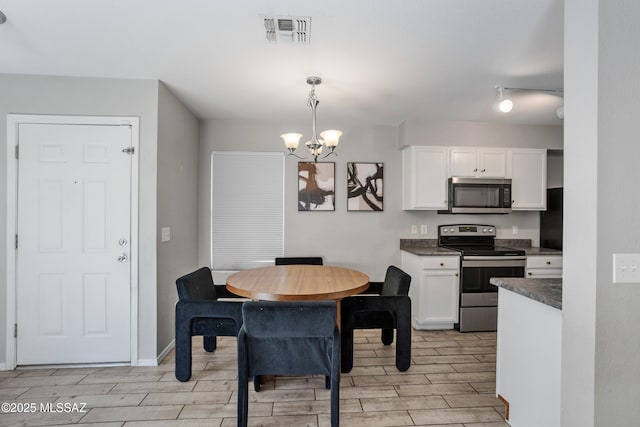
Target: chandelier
(328, 138)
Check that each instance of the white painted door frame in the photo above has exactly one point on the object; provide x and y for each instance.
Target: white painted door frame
(13, 120)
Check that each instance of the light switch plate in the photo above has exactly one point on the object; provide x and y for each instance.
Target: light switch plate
(626, 268)
(165, 234)
(423, 228)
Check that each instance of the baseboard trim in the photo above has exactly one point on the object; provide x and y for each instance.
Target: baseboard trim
(160, 358)
(166, 351)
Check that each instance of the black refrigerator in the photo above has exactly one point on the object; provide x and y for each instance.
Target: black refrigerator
(551, 220)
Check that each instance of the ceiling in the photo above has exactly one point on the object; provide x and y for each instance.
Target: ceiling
(381, 61)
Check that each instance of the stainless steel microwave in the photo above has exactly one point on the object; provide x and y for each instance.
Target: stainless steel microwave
(479, 195)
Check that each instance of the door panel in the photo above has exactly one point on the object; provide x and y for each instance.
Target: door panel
(73, 295)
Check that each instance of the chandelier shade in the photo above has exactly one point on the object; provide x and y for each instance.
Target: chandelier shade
(328, 138)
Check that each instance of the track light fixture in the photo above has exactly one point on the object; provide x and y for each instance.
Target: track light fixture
(505, 104)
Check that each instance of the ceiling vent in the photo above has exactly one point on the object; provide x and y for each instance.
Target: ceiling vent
(287, 30)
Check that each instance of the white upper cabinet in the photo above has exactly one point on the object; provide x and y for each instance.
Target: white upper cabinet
(478, 162)
(528, 172)
(426, 170)
(424, 178)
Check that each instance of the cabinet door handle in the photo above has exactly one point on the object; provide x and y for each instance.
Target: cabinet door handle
(530, 273)
(442, 264)
(456, 274)
(475, 170)
(483, 170)
(548, 262)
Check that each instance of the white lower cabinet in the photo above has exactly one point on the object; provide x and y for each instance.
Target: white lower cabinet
(434, 290)
(544, 267)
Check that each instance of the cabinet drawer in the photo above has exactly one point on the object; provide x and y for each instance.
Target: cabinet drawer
(544, 262)
(544, 273)
(448, 262)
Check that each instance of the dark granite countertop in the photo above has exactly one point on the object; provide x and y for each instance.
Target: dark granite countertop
(534, 250)
(425, 247)
(429, 247)
(525, 244)
(546, 291)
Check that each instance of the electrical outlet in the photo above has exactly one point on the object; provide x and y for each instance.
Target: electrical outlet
(423, 228)
(514, 229)
(626, 268)
(414, 229)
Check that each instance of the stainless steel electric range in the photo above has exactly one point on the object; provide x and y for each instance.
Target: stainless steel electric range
(480, 260)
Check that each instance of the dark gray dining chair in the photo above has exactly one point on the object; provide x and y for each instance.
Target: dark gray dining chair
(288, 338)
(389, 310)
(310, 260)
(198, 312)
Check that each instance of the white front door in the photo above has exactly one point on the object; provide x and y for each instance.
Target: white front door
(73, 283)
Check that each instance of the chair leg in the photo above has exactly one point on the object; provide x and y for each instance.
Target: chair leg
(243, 401)
(257, 383)
(335, 400)
(387, 336)
(183, 349)
(403, 346)
(346, 351)
(210, 343)
(327, 382)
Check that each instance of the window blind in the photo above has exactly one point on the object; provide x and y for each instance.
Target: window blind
(247, 209)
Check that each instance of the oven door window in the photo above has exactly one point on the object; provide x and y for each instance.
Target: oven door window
(476, 196)
(476, 279)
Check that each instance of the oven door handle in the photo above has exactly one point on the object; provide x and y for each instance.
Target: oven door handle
(503, 261)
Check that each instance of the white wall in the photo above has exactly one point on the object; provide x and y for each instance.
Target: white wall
(178, 145)
(617, 367)
(87, 96)
(367, 241)
(600, 367)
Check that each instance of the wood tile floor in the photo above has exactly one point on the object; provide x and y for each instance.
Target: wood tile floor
(451, 382)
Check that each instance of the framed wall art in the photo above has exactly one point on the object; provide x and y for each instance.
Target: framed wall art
(316, 186)
(364, 186)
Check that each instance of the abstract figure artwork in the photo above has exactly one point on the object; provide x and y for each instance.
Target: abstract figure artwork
(316, 186)
(364, 186)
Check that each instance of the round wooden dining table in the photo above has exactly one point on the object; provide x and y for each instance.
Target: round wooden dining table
(297, 283)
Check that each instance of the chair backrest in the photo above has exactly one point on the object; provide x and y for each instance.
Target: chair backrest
(197, 285)
(289, 337)
(396, 282)
(289, 318)
(313, 260)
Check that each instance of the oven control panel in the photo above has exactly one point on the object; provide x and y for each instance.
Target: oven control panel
(467, 230)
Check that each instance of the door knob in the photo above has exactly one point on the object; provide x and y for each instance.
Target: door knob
(122, 258)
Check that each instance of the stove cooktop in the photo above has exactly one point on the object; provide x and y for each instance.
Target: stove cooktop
(472, 250)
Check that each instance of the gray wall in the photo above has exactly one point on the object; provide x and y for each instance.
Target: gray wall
(366, 241)
(86, 96)
(600, 367)
(480, 134)
(555, 168)
(178, 144)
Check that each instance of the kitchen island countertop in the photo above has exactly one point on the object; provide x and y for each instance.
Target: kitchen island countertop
(545, 291)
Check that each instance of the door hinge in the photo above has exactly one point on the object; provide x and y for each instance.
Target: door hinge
(16, 241)
(129, 150)
(17, 151)
(15, 330)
